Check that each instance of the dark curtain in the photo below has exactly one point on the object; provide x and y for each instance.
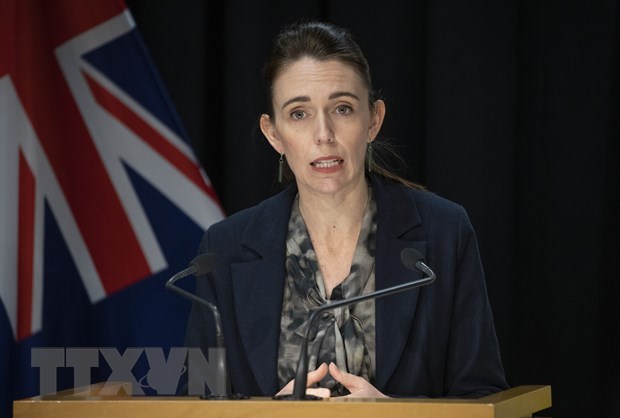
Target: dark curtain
(510, 108)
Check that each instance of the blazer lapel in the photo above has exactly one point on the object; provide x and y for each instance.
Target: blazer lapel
(397, 217)
(258, 287)
(258, 282)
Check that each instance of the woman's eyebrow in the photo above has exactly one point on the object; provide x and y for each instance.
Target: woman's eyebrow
(332, 96)
(337, 94)
(296, 99)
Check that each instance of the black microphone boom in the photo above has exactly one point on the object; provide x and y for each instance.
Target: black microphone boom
(411, 259)
(199, 266)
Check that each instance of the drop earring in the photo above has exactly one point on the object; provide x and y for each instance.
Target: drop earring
(369, 157)
(281, 163)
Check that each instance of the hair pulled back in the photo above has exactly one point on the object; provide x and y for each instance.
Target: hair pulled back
(323, 41)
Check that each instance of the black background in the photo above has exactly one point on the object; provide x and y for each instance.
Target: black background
(510, 108)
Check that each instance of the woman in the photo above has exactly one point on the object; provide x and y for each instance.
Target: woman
(337, 232)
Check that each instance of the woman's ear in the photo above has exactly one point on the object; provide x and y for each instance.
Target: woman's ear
(377, 114)
(269, 130)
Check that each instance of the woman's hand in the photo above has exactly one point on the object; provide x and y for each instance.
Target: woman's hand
(313, 377)
(358, 386)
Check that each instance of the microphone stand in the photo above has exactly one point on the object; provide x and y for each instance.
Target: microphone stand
(200, 265)
(301, 377)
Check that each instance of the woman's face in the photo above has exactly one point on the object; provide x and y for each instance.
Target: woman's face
(322, 124)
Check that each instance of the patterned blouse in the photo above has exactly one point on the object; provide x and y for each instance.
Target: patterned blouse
(345, 336)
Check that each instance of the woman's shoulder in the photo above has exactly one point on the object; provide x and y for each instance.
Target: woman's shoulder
(435, 201)
(427, 203)
(272, 208)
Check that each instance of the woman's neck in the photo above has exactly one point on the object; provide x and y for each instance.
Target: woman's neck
(331, 216)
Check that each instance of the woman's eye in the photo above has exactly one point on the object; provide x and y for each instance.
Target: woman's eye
(298, 114)
(343, 110)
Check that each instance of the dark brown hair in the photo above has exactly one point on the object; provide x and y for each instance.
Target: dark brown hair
(323, 41)
(317, 40)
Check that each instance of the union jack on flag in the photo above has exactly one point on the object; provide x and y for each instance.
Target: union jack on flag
(101, 197)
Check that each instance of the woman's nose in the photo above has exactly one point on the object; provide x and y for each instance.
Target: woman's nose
(324, 132)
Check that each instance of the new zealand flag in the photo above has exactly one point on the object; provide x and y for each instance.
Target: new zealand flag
(101, 197)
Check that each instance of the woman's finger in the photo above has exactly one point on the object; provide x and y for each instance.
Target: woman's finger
(317, 375)
(314, 376)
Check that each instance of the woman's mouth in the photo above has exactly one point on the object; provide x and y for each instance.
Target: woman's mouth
(329, 163)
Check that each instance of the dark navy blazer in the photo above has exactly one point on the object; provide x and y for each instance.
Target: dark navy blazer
(435, 341)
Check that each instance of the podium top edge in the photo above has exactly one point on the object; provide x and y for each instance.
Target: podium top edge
(507, 396)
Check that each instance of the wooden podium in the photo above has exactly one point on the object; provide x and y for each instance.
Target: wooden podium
(518, 402)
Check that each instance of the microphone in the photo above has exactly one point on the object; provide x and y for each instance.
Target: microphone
(412, 259)
(199, 266)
